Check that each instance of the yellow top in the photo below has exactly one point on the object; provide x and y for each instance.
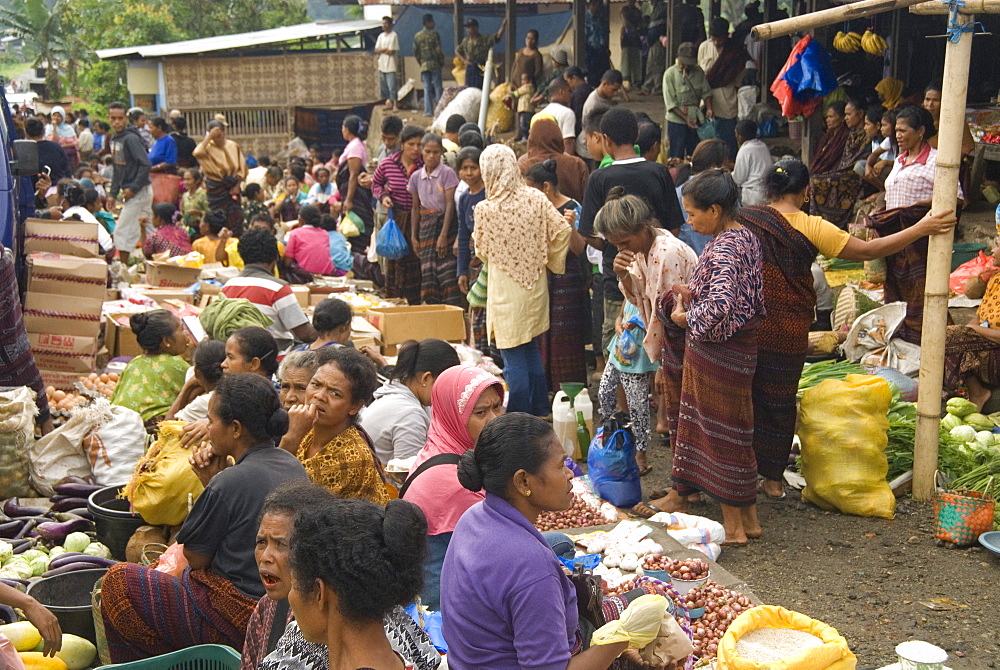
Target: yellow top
(989, 308)
(825, 236)
(346, 466)
(206, 248)
(218, 162)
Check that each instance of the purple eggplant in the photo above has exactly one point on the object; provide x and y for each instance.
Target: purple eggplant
(80, 511)
(69, 516)
(76, 489)
(12, 508)
(66, 504)
(27, 528)
(15, 584)
(58, 530)
(7, 614)
(11, 528)
(79, 565)
(76, 557)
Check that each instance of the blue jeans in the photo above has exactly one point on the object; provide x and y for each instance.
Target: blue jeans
(560, 543)
(682, 138)
(437, 547)
(525, 376)
(432, 90)
(725, 130)
(387, 84)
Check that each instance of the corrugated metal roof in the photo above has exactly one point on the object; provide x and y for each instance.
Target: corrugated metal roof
(450, 3)
(242, 40)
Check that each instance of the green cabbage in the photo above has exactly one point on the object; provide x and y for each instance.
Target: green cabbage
(964, 433)
(948, 422)
(979, 422)
(97, 549)
(39, 565)
(21, 568)
(32, 554)
(6, 551)
(960, 407)
(55, 551)
(76, 541)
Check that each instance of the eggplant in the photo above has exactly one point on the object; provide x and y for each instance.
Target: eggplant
(89, 480)
(7, 614)
(66, 504)
(76, 489)
(77, 557)
(58, 530)
(15, 584)
(21, 548)
(12, 508)
(80, 512)
(79, 565)
(11, 528)
(27, 528)
(62, 517)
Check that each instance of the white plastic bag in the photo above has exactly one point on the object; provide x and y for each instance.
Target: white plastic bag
(465, 104)
(871, 341)
(60, 453)
(116, 445)
(694, 532)
(17, 434)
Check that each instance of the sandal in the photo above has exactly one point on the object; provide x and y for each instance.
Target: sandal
(645, 510)
(656, 494)
(645, 470)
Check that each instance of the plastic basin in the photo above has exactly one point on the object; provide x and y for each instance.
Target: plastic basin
(68, 596)
(684, 585)
(991, 541)
(115, 523)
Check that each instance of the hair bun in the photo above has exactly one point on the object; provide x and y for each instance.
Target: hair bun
(550, 164)
(469, 474)
(277, 425)
(404, 531)
(138, 322)
(615, 193)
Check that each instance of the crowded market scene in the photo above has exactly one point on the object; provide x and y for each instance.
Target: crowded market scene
(657, 334)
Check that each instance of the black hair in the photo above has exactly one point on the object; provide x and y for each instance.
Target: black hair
(532, 30)
(573, 72)
(215, 123)
(409, 132)
(34, 127)
(357, 367)
(713, 187)
(292, 497)
(556, 85)
(258, 246)
(612, 76)
(838, 106)
(90, 196)
(430, 355)
(917, 117)
(471, 139)
(512, 442)
(718, 27)
(160, 123)
(83, 123)
(330, 314)
(274, 172)
(592, 122)
(151, 328)
(746, 129)
(709, 154)
(135, 114)
(454, 123)
(370, 556)
(310, 215)
(468, 154)
(392, 125)
(73, 192)
(264, 161)
(165, 211)
(208, 357)
(216, 220)
(543, 173)
(296, 171)
(649, 134)
(251, 191)
(470, 126)
(787, 176)
(262, 216)
(251, 400)
(388, 18)
(328, 222)
(934, 86)
(259, 343)
(356, 126)
(117, 105)
(431, 138)
(620, 125)
(195, 172)
(428, 18)
(179, 123)
(874, 114)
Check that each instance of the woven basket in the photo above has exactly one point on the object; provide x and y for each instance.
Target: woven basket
(962, 516)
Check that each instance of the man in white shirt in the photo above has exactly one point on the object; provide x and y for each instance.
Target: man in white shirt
(601, 98)
(753, 163)
(558, 108)
(386, 48)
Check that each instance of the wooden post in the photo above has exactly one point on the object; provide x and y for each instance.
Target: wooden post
(828, 17)
(458, 17)
(971, 7)
(952, 126)
(579, 32)
(510, 41)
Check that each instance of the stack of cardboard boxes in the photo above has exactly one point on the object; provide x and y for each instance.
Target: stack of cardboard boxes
(67, 282)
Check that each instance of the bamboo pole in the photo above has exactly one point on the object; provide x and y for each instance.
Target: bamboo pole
(970, 7)
(957, 56)
(826, 17)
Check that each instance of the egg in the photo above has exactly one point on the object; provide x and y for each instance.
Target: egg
(58, 395)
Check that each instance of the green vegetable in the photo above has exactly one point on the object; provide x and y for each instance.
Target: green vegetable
(979, 422)
(814, 373)
(964, 433)
(948, 422)
(97, 549)
(55, 551)
(33, 554)
(6, 550)
(22, 569)
(960, 407)
(79, 541)
(984, 438)
(39, 565)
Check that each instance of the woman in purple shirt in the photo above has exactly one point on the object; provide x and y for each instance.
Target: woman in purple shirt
(513, 607)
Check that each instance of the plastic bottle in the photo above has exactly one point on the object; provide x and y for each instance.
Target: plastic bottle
(582, 435)
(998, 220)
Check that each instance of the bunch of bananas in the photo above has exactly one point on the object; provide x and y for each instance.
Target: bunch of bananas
(847, 43)
(873, 43)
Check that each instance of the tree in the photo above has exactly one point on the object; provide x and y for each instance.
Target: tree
(39, 24)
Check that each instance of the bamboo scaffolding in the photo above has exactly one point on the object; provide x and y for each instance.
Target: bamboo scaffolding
(827, 17)
(971, 7)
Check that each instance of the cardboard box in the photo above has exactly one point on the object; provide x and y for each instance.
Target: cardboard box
(62, 315)
(301, 294)
(73, 238)
(64, 353)
(120, 340)
(160, 295)
(67, 275)
(418, 322)
(165, 274)
(60, 380)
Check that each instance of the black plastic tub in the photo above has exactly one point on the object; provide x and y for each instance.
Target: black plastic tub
(115, 523)
(68, 596)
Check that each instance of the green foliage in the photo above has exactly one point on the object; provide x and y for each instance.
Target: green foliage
(43, 31)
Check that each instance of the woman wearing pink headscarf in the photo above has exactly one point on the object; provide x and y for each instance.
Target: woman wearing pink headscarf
(464, 399)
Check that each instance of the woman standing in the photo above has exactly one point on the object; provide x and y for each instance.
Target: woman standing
(718, 314)
(61, 132)
(527, 61)
(520, 234)
(464, 400)
(389, 185)
(790, 240)
(831, 145)
(355, 198)
(433, 230)
(545, 142)
(835, 192)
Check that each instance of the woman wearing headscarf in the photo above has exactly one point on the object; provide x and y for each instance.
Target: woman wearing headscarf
(890, 92)
(61, 132)
(831, 145)
(518, 234)
(544, 142)
(463, 400)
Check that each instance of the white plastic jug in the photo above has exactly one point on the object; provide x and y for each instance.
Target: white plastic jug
(564, 420)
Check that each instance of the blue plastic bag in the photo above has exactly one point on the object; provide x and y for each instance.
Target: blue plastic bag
(391, 243)
(630, 341)
(431, 623)
(588, 561)
(612, 467)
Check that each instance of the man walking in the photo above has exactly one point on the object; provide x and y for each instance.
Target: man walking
(427, 50)
(475, 49)
(387, 47)
(131, 179)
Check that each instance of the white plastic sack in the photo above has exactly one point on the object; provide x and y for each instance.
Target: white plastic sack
(466, 104)
(694, 532)
(17, 433)
(60, 453)
(115, 447)
(871, 342)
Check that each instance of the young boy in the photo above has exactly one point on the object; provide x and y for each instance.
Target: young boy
(524, 107)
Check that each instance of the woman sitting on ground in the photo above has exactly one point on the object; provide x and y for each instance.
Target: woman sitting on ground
(286, 206)
(148, 613)
(192, 402)
(332, 320)
(168, 235)
(353, 563)
(324, 432)
(465, 399)
(150, 383)
(264, 650)
(398, 419)
(296, 371)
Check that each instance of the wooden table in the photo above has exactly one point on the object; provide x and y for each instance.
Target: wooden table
(983, 152)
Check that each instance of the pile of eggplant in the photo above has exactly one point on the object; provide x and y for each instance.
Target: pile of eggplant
(36, 542)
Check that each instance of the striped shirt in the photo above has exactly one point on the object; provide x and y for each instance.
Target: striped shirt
(273, 297)
(909, 184)
(391, 179)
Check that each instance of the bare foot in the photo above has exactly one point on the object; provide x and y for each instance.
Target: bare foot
(694, 498)
(732, 521)
(751, 524)
(672, 502)
(979, 395)
(772, 489)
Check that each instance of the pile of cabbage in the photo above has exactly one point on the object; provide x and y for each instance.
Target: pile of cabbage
(35, 561)
(964, 423)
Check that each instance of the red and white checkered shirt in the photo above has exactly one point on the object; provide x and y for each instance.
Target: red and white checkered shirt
(909, 184)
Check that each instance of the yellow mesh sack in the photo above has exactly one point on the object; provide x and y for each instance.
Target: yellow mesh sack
(499, 117)
(833, 654)
(843, 428)
(163, 478)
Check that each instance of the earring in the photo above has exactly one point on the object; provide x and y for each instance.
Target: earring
(527, 492)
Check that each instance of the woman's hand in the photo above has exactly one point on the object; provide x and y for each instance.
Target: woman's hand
(300, 421)
(463, 283)
(387, 201)
(679, 314)
(374, 354)
(442, 247)
(47, 624)
(622, 262)
(659, 382)
(937, 223)
(570, 216)
(206, 463)
(365, 180)
(193, 433)
(633, 657)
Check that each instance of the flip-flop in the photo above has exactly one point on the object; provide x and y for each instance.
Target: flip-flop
(652, 509)
(645, 470)
(656, 494)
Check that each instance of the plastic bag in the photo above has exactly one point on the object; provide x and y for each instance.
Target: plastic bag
(163, 479)
(968, 270)
(630, 342)
(430, 622)
(706, 131)
(872, 341)
(612, 467)
(671, 644)
(172, 561)
(833, 654)
(9, 660)
(340, 252)
(843, 428)
(351, 225)
(17, 435)
(694, 532)
(391, 243)
(116, 445)
(499, 117)
(60, 453)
